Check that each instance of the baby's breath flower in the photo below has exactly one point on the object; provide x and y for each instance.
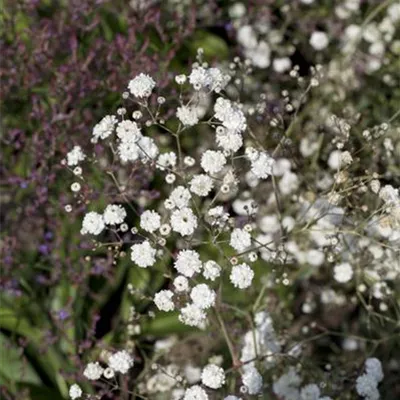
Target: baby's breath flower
(166, 160)
(319, 40)
(75, 156)
(188, 263)
(201, 185)
(104, 128)
(211, 270)
(170, 179)
(192, 315)
(189, 161)
(241, 276)
(343, 272)
(181, 283)
(184, 221)
(187, 115)
(252, 380)
(121, 361)
(76, 187)
(141, 86)
(213, 161)
(150, 221)
(202, 296)
(108, 373)
(163, 300)
(114, 214)
(77, 171)
(165, 229)
(143, 254)
(93, 371)
(180, 79)
(195, 393)
(240, 239)
(92, 223)
(262, 166)
(75, 392)
(180, 197)
(213, 376)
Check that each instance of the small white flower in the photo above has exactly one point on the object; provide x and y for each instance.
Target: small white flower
(373, 368)
(213, 376)
(252, 380)
(213, 161)
(163, 300)
(202, 296)
(143, 254)
(114, 214)
(166, 160)
(240, 239)
(201, 185)
(121, 361)
(192, 315)
(211, 270)
(262, 167)
(310, 392)
(319, 40)
(181, 283)
(188, 263)
(241, 276)
(93, 371)
(230, 142)
(76, 187)
(195, 393)
(77, 171)
(343, 272)
(104, 128)
(92, 223)
(187, 115)
(141, 86)
(165, 229)
(247, 37)
(109, 373)
(128, 131)
(281, 64)
(179, 198)
(367, 386)
(150, 221)
(184, 221)
(334, 159)
(75, 391)
(148, 150)
(189, 161)
(75, 156)
(180, 79)
(170, 179)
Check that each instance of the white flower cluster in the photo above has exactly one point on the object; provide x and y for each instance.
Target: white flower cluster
(94, 223)
(211, 79)
(287, 387)
(75, 156)
(261, 340)
(220, 199)
(141, 86)
(120, 362)
(132, 145)
(367, 384)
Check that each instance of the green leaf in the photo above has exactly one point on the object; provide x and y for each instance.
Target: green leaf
(13, 369)
(50, 362)
(213, 45)
(165, 324)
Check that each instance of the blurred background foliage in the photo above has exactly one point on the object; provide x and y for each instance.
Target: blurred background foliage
(63, 66)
